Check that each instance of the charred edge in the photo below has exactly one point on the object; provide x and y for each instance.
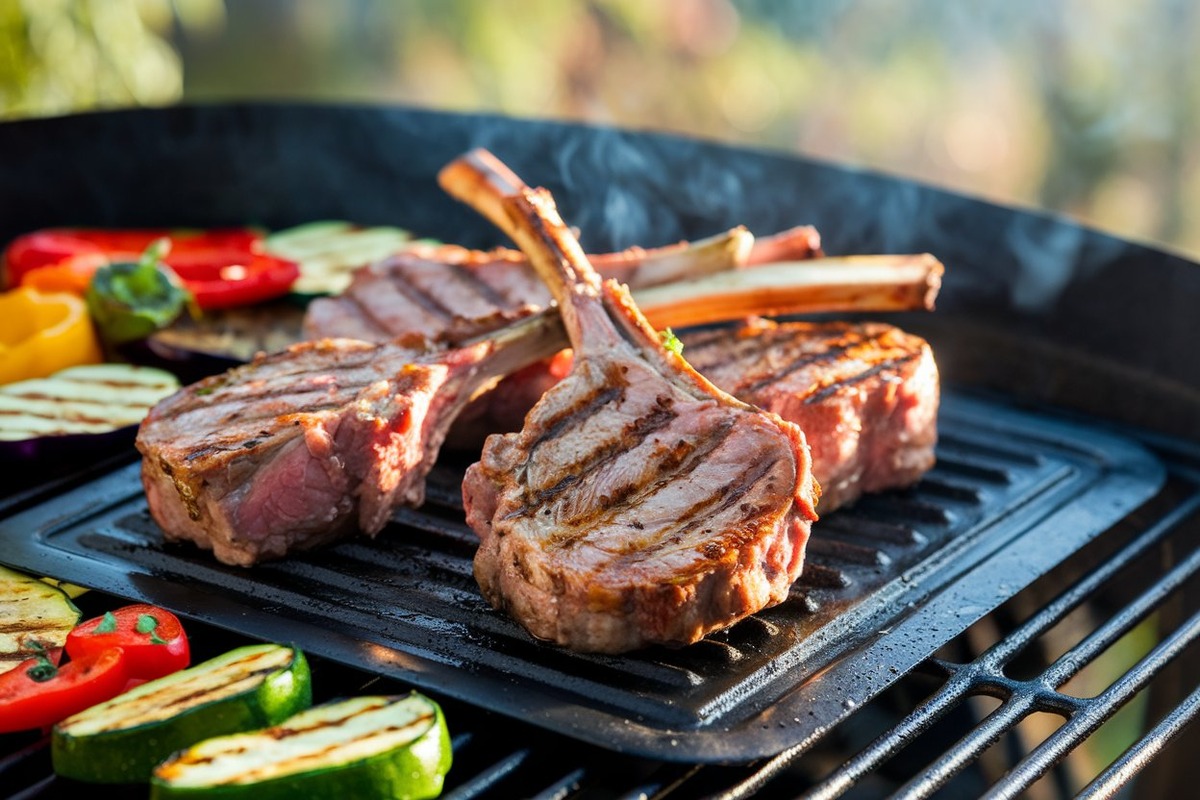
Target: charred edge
(833, 350)
(883, 366)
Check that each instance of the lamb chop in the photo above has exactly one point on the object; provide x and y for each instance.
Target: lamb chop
(320, 441)
(640, 504)
(866, 395)
(358, 425)
(449, 293)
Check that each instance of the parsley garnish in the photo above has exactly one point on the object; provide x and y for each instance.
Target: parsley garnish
(146, 624)
(44, 669)
(671, 341)
(108, 624)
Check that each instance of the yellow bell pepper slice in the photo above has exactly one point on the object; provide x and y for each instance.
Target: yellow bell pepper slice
(41, 333)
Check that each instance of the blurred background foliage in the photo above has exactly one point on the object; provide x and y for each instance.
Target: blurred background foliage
(1088, 108)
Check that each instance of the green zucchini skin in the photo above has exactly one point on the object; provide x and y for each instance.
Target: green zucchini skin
(85, 748)
(411, 767)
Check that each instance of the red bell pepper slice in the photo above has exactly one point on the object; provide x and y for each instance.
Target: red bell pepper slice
(37, 694)
(220, 267)
(220, 278)
(153, 639)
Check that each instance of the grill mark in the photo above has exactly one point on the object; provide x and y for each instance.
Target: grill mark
(728, 495)
(424, 300)
(281, 732)
(218, 400)
(162, 703)
(31, 626)
(298, 761)
(569, 417)
(832, 388)
(238, 379)
(630, 435)
(728, 351)
(466, 277)
(680, 462)
(832, 351)
(364, 313)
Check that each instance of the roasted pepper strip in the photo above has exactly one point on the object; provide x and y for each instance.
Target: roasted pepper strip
(221, 268)
(51, 246)
(41, 333)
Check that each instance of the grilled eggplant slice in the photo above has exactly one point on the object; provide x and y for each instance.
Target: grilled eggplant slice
(375, 746)
(33, 615)
(124, 739)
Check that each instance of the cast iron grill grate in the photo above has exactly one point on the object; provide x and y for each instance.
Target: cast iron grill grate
(986, 487)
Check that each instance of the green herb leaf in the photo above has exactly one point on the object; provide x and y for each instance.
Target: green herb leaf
(44, 669)
(108, 624)
(671, 341)
(148, 624)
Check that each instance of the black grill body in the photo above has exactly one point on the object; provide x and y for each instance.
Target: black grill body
(1066, 483)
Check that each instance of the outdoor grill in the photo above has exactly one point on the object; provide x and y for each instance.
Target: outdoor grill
(992, 631)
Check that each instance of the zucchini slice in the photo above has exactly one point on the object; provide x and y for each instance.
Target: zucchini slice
(33, 614)
(374, 746)
(123, 739)
(328, 251)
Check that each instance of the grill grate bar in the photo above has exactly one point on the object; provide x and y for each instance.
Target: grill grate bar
(984, 674)
(1084, 724)
(1054, 611)
(1137, 757)
(485, 779)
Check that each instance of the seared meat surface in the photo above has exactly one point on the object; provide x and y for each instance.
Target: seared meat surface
(639, 505)
(866, 395)
(450, 293)
(320, 441)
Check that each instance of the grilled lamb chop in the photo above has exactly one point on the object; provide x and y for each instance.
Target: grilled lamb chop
(363, 426)
(640, 504)
(451, 293)
(317, 442)
(866, 395)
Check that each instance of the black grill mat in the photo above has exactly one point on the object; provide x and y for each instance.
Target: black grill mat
(887, 582)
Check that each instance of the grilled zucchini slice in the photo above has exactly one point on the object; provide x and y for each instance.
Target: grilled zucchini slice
(328, 251)
(122, 740)
(33, 614)
(375, 746)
